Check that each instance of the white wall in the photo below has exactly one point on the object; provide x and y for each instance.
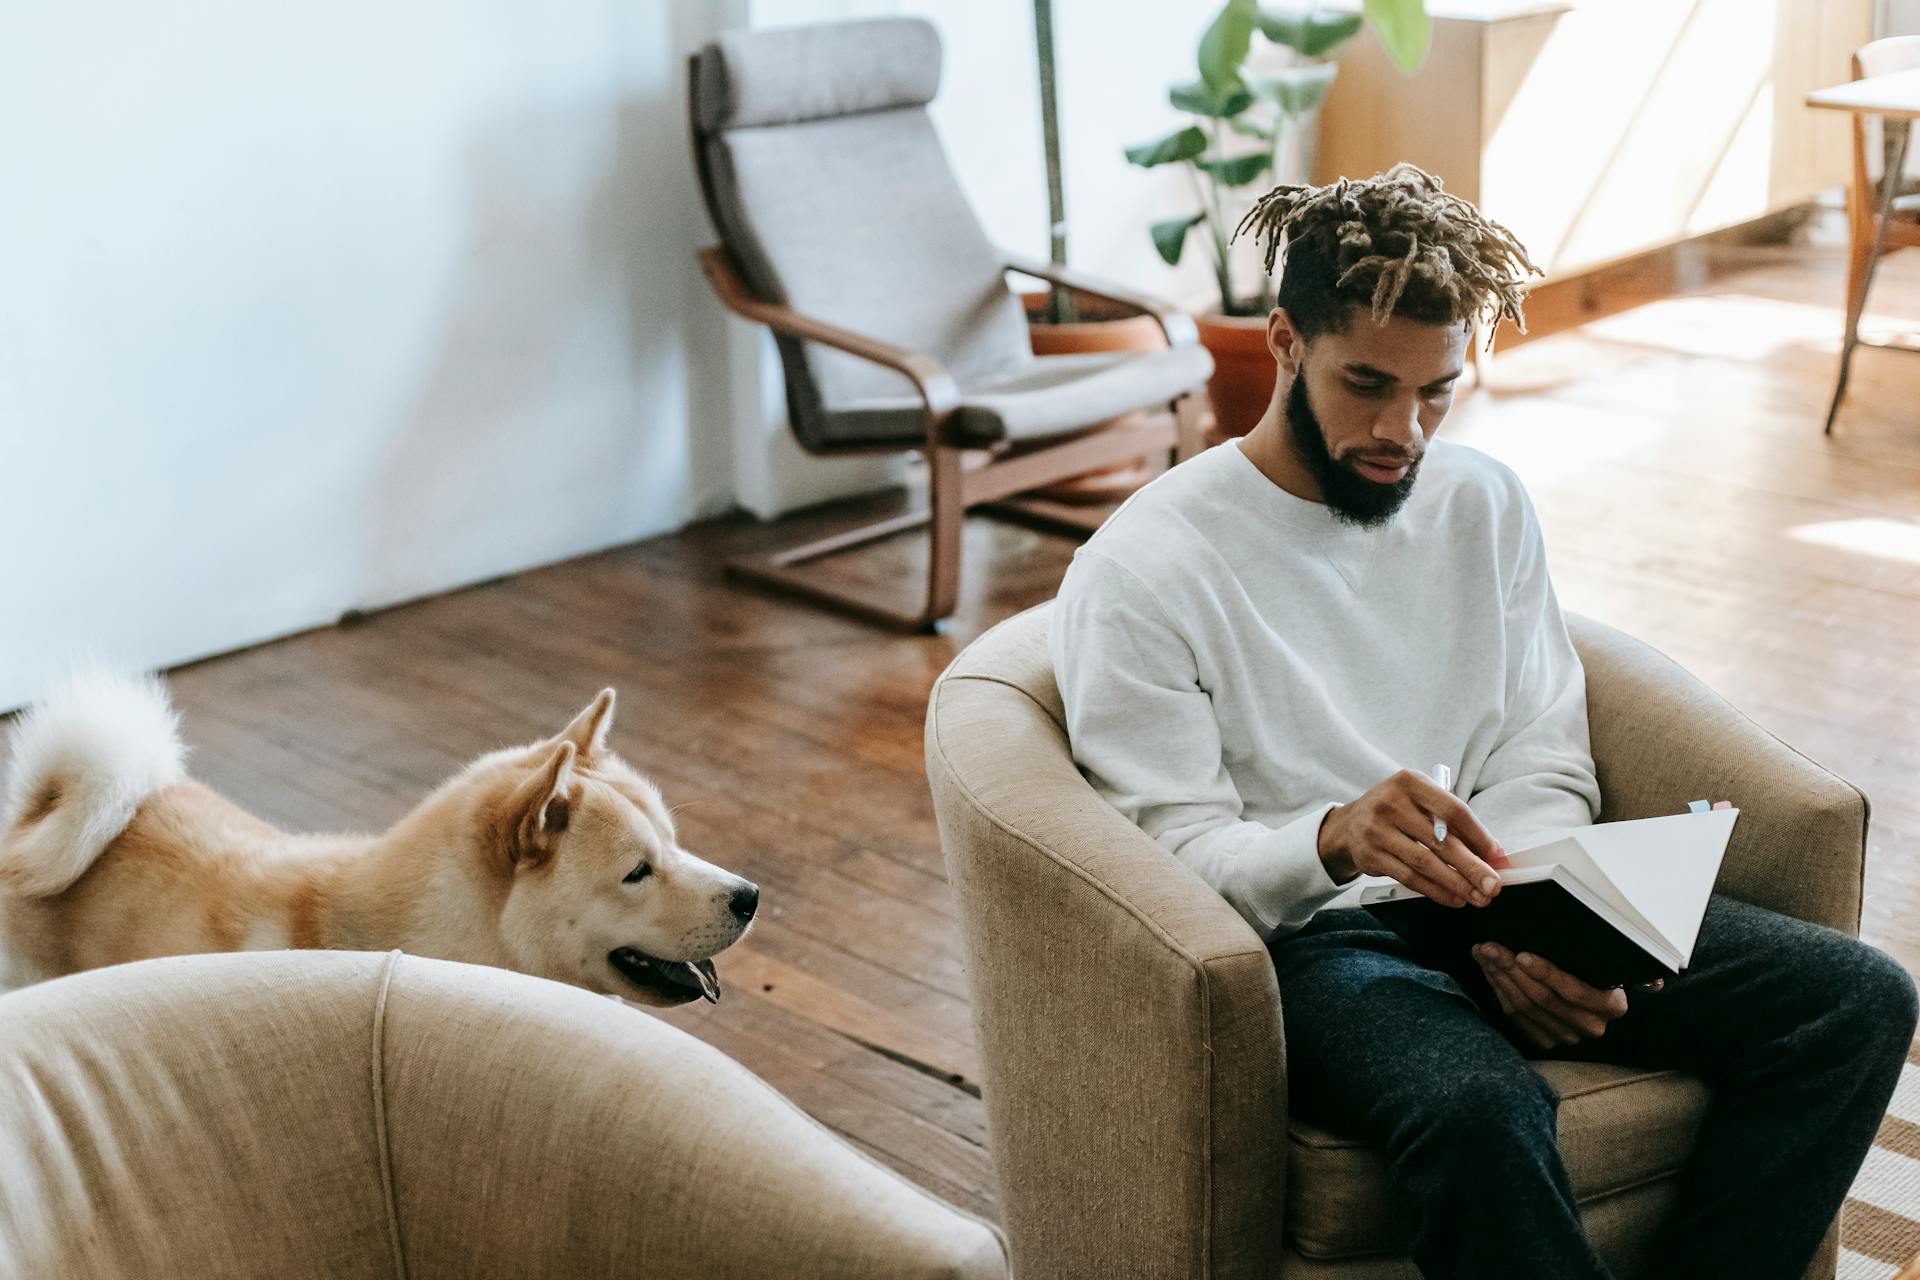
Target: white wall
(310, 307)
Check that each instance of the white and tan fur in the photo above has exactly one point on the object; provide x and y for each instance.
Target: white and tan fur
(531, 858)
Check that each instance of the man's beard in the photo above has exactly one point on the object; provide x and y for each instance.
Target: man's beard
(1351, 497)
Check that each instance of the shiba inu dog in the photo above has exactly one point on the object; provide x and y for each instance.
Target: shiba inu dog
(554, 858)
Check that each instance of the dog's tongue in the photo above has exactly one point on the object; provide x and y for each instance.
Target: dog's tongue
(696, 973)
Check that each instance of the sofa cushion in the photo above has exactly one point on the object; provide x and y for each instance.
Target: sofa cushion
(1043, 397)
(1620, 1127)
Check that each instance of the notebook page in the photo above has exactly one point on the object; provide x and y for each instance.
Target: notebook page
(1665, 867)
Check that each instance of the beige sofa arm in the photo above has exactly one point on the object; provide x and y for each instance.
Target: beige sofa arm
(1661, 738)
(339, 1115)
(1128, 1019)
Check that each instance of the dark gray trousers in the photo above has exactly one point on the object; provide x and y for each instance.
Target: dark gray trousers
(1799, 1030)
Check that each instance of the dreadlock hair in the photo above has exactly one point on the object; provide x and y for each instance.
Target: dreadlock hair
(1396, 244)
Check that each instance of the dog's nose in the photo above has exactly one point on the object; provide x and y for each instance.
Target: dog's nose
(745, 901)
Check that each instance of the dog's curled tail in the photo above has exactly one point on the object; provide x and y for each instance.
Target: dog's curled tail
(83, 760)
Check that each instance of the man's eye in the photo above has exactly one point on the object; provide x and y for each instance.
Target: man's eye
(1440, 392)
(638, 874)
(1366, 388)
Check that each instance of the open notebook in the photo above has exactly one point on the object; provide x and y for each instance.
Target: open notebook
(1611, 903)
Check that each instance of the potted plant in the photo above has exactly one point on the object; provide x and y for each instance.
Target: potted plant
(1251, 124)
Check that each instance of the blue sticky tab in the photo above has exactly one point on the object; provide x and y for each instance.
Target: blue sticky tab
(1698, 806)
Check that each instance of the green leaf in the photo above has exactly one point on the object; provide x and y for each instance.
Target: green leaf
(1238, 171)
(1224, 46)
(1295, 91)
(1202, 99)
(1170, 237)
(1403, 28)
(1310, 34)
(1181, 144)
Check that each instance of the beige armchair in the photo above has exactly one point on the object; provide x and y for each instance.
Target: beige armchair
(331, 1115)
(1129, 1020)
(844, 230)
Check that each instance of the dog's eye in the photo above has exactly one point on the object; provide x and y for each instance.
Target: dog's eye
(638, 874)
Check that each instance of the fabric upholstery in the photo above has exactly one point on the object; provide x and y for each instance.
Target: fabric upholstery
(1618, 1129)
(1129, 1020)
(1047, 396)
(784, 75)
(833, 194)
(1625, 1224)
(1661, 738)
(334, 1114)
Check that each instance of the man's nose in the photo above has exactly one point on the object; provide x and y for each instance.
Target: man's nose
(1399, 425)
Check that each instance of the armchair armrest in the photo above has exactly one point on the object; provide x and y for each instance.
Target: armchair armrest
(1128, 1019)
(1176, 324)
(1661, 738)
(930, 378)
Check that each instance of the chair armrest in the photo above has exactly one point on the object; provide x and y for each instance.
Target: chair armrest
(1661, 738)
(1128, 1019)
(1176, 324)
(930, 378)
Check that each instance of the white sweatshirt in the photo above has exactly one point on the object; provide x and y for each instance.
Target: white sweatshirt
(1235, 663)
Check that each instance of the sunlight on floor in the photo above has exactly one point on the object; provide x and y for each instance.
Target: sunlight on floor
(1890, 539)
(1536, 444)
(1740, 326)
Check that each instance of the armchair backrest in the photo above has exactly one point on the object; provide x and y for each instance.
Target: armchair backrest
(833, 195)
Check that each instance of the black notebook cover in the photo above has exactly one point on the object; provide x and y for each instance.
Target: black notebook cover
(1541, 917)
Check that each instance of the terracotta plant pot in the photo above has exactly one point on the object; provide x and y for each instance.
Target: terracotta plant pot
(1243, 372)
(1103, 326)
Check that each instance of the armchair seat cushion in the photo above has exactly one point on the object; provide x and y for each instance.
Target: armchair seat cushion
(1620, 1128)
(1034, 400)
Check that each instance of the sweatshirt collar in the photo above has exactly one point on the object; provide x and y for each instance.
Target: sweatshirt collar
(1349, 548)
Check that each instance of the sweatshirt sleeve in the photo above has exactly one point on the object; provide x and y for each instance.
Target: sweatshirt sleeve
(1144, 734)
(1540, 775)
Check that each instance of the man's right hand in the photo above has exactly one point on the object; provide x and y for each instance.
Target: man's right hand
(1389, 832)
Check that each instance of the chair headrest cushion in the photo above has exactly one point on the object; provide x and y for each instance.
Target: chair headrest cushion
(784, 75)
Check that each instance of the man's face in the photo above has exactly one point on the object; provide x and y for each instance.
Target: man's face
(1364, 403)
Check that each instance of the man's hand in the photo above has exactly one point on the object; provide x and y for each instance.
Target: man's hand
(1389, 832)
(1547, 1005)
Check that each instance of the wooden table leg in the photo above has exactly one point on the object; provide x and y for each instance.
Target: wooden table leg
(1857, 304)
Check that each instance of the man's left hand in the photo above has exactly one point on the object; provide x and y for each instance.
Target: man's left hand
(1548, 1006)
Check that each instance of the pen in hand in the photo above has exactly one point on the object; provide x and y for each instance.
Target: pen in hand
(1442, 778)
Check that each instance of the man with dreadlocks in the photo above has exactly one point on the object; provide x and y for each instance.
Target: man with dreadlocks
(1259, 651)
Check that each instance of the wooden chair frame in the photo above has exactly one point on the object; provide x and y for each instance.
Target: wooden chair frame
(960, 477)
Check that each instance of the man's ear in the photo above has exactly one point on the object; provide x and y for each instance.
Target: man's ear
(1285, 343)
(588, 731)
(540, 808)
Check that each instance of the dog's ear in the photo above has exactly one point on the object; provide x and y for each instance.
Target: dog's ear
(540, 808)
(588, 732)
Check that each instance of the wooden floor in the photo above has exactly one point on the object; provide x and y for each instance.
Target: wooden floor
(1674, 454)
